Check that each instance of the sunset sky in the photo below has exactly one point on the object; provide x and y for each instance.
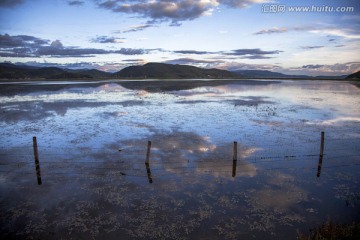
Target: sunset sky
(226, 34)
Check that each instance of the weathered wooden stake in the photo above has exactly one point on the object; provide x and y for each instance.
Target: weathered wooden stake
(321, 154)
(235, 152)
(37, 163)
(148, 152)
(148, 172)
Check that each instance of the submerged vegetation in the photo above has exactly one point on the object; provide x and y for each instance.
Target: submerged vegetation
(332, 231)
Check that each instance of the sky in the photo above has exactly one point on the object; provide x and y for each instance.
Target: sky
(312, 37)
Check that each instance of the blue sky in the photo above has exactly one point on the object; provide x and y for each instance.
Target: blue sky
(227, 34)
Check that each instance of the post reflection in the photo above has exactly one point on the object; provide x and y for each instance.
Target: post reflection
(319, 166)
(234, 168)
(147, 165)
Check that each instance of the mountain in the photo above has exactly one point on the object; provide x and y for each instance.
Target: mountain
(170, 71)
(260, 74)
(149, 70)
(355, 75)
(269, 74)
(12, 71)
(93, 73)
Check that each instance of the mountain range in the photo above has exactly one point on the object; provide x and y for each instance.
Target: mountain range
(10, 71)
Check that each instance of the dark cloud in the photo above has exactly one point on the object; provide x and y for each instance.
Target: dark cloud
(311, 47)
(193, 52)
(255, 53)
(106, 39)
(131, 51)
(7, 41)
(10, 3)
(244, 53)
(76, 3)
(257, 57)
(340, 46)
(28, 46)
(311, 66)
(173, 11)
(332, 40)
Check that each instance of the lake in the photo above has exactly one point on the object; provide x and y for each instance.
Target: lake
(229, 159)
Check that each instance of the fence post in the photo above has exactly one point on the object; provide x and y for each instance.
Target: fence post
(235, 152)
(148, 152)
(37, 163)
(321, 153)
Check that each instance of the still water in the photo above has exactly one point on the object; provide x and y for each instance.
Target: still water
(92, 143)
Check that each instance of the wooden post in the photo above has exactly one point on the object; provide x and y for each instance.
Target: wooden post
(37, 163)
(148, 152)
(235, 151)
(148, 172)
(321, 154)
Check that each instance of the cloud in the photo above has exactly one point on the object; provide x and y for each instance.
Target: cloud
(29, 46)
(137, 28)
(345, 33)
(255, 53)
(241, 3)
(329, 69)
(192, 52)
(311, 66)
(223, 64)
(106, 39)
(7, 41)
(10, 3)
(311, 47)
(76, 3)
(272, 30)
(333, 31)
(191, 61)
(173, 11)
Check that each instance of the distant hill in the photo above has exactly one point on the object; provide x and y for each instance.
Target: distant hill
(170, 71)
(354, 75)
(24, 72)
(150, 70)
(269, 74)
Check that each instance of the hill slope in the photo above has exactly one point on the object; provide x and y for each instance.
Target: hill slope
(12, 71)
(354, 75)
(169, 71)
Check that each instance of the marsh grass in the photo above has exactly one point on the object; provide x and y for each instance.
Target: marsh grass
(332, 231)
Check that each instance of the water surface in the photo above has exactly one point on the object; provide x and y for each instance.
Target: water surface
(93, 138)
